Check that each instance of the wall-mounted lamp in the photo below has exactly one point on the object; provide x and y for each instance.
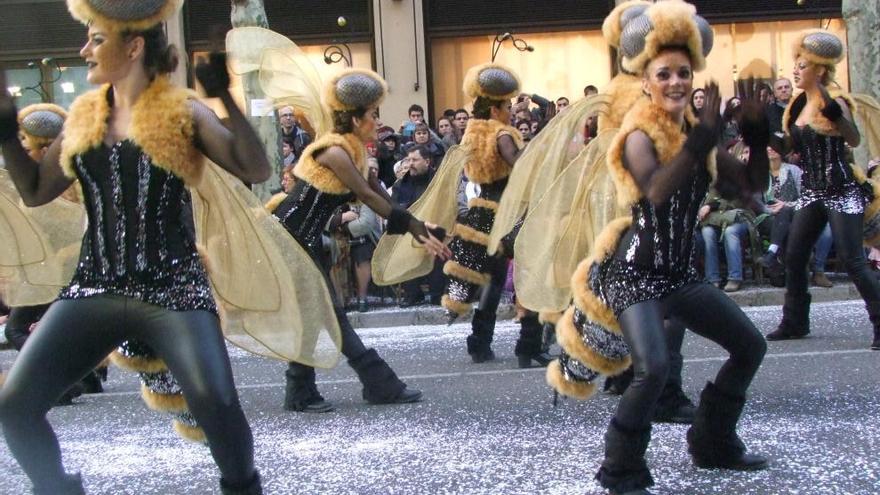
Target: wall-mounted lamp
(518, 43)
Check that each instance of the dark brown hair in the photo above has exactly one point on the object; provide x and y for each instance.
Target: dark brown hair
(159, 57)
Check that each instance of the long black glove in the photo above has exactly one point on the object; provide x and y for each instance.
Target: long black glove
(401, 221)
(213, 74)
(8, 117)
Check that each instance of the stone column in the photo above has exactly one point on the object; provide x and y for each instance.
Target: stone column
(400, 57)
(253, 13)
(862, 19)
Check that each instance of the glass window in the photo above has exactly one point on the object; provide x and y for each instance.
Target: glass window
(61, 84)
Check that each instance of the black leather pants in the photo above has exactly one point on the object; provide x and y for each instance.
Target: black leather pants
(75, 335)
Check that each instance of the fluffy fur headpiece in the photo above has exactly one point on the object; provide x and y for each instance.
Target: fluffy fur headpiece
(492, 81)
(41, 123)
(124, 15)
(619, 17)
(819, 47)
(671, 23)
(354, 88)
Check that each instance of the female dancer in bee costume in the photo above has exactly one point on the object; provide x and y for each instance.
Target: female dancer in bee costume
(643, 267)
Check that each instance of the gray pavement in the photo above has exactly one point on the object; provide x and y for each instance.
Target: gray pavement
(492, 428)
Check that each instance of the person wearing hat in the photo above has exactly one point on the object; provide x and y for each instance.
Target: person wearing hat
(643, 266)
(493, 147)
(333, 171)
(389, 154)
(819, 126)
(134, 144)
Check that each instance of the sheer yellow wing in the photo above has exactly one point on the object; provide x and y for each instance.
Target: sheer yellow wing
(399, 258)
(39, 247)
(560, 227)
(868, 117)
(286, 74)
(273, 298)
(541, 162)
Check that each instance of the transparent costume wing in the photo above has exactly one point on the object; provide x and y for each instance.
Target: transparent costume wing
(39, 247)
(868, 118)
(541, 162)
(286, 74)
(561, 226)
(273, 298)
(399, 258)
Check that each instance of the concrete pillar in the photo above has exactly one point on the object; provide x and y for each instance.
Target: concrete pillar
(253, 13)
(863, 45)
(174, 28)
(400, 56)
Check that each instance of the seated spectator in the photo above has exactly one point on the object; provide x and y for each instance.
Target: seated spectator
(536, 126)
(460, 121)
(287, 151)
(448, 132)
(735, 222)
(407, 190)
(781, 198)
(561, 104)
(408, 127)
(423, 137)
(389, 153)
(730, 129)
(525, 130)
(698, 99)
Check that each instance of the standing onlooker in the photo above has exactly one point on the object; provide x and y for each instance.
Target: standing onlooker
(449, 135)
(460, 121)
(291, 129)
(561, 104)
(422, 137)
(590, 90)
(389, 154)
(782, 95)
(525, 130)
(408, 127)
(364, 229)
(698, 99)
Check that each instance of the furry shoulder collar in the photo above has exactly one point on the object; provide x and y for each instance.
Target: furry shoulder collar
(485, 164)
(666, 135)
(161, 125)
(321, 177)
(820, 124)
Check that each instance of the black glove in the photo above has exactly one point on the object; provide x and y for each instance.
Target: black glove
(401, 221)
(755, 126)
(867, 188)
(8, 119)
(213, 75)
(832, 111)
(700, 141)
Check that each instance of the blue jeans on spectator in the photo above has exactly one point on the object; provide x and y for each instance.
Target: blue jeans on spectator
(734, 234)
(823, 247)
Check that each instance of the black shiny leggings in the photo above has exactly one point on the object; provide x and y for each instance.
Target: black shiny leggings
(847, 231)
(708, 312)
(75, 335)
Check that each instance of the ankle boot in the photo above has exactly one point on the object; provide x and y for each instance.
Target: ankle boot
(479, 342)
(69, 484)
(300, 392)
(529, 346)
(624, 469)
(795, 318)
(254, 487)
(381, 384)
(92, 383)
(874, 316)
(712, 439)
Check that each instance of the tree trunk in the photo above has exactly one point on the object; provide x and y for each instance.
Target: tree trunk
(863, 45)
(253, 13)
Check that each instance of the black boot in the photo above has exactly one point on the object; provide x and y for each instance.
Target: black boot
(712, 439)
(624, 470)
(479, 342)
(617, 384)
(300, 393)
(874, 315)
(381, 385)
(92, 383)
(254, 487)
(674, 406)
(795, 319)
(529, 346)
(70, 484)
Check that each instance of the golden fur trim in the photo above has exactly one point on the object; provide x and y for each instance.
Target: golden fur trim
(191, 433)
(799, 50)
(570, 340)
(161, 125)
(673, 25)
(331, 100)
(551, 317)
(138, 364)
(173, 403)
(568, 388)
(321, 177)
(663, 132)
(483, 203)
(83, 11)
(623, 91)
(455, 269)
(820, 124)
(471, 85)
(611, 26)
(274, 201)
(484, 163)
(457, 307)
(105, 363)
(470, 234)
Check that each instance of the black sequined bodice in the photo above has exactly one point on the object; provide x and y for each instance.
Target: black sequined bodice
(823, 159)
(305, 213)
(140, 240)
(493, 190)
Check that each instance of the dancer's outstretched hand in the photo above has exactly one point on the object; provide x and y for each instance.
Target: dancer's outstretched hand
(753, 124)
(8, 113)
(213, 74)
(710, 114)
(434, 245)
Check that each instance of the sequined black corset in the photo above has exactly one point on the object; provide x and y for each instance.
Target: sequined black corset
(661, 238)
(493, 190)
(139, 241)
(823, 159)
(306, 211)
